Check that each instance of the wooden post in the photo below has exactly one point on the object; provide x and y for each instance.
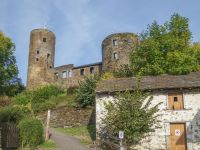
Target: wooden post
(47, 127)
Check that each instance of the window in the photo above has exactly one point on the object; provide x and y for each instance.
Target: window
(64, 74)
(70, 73)
(175, 101)
(37, 59)
(38, 51)
(114, 42)
(91, 70)
(44, 39)
(82, 72)
(115, 55)
(48, 55)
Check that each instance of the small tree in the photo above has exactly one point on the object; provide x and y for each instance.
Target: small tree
(132, 113)
(86, 91)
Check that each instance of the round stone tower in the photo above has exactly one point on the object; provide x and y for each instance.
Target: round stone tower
(41, 58)
(116, 49)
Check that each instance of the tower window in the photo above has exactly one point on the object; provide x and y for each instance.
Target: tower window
(91, 70)
(38, 51)
(48, 55)
(37, 59)
(64, 74)
(114, 42)
(44, 39)
(115, 55)
(82, 72)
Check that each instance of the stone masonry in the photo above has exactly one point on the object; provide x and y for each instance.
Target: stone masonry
(41, 70)
(187, 85)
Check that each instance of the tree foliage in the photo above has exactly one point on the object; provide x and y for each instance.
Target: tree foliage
(86, 91)
(8, 67)
(130, 112)
(165, 49)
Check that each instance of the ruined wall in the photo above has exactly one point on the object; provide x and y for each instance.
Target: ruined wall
(160, 139)
(116, 49)
(41, 58)
(72, 81)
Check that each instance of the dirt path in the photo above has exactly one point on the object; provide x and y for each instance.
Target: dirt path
(66, 142)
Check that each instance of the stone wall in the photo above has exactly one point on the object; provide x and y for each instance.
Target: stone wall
(69, 117)
(75, 72)
(41, 58)
(159, 140)
(119, 44)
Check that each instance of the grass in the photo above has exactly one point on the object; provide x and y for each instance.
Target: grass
(86, 134)
(48, 145)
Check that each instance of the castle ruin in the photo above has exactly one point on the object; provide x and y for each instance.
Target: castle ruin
(41, 70)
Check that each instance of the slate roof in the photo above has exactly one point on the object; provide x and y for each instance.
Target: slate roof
(191, 80)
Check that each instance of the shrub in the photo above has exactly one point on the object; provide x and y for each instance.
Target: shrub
(13, 114)
(40, 99)
(31, 132)
(86, 91)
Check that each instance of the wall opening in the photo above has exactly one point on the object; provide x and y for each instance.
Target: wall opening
(82, 72)
(91, 70)
(38, 51)
(70, 73)
(44, 39)
(115, 56)
(64, 74)
(114, 42)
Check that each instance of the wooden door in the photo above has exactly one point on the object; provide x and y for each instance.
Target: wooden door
(178, 136)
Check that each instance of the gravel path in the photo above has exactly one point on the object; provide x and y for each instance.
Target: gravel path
(66, 142)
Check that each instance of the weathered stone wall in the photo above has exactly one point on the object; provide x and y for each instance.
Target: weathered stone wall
(159, 140)
(69, 117)
(76, 76)
(121, 44)
(41, 58)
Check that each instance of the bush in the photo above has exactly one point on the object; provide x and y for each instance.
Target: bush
(40, 99)
(31, 132)
(86, 91)
(13, 114)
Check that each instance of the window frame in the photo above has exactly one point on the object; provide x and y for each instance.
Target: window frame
(175, 94)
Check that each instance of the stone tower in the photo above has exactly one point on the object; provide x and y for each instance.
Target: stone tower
(41, 58)
(116, 49)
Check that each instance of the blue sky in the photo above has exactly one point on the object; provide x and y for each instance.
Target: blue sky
(81, 25)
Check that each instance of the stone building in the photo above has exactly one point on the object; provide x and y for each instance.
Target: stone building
(179, 112)
(41, 70)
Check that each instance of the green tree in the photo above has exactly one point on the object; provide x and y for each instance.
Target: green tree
(8, 67)
(132, 113)
(165, 49)
(86, 91)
